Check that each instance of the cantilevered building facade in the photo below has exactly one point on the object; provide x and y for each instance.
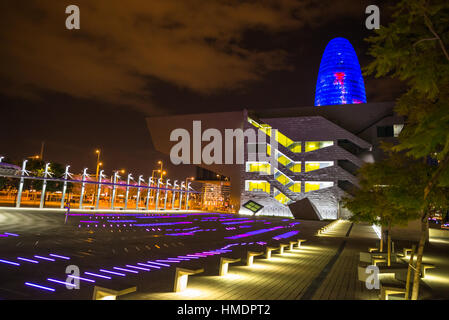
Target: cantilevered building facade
(318, 150)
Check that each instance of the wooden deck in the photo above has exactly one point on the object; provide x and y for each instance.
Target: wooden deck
(325, 267)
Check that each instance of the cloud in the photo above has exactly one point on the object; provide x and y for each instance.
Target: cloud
(124, 45)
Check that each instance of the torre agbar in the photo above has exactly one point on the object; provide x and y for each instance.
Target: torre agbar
(319, 148)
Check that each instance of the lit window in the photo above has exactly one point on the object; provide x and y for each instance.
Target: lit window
(260, 167)
(315, 145)
(282, 158)
(318, 185)
(295, 147)
(279, 196)
(280, 137)
(296, 187)
(295, 167)
(257, 186)
(282, 178)
(315, 165)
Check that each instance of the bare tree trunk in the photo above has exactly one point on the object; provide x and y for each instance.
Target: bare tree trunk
(409, 273)
(389, 245)
(381, 246)
(419, 255)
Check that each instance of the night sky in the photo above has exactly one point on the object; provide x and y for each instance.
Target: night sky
(79, 90)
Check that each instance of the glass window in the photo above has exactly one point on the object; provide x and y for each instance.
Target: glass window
(385, 131)
(282, 178)
(295, 167)
(279, 196)
(317, 185)
(282, 158)
(296, 187)
(260, 167)
(315, 145)
(295, 147)
(257, 185)
(315, 165)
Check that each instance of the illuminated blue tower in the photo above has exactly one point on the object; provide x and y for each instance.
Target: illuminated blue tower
(340, 79)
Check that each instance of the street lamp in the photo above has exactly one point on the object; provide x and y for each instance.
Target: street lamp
(64, 188)
(22, 180)
(161, 168)
(101, 176)
(139, 180)
(190, 178)
(114, 186)
(98, 152)
(83, 185)
(44, 184)
(128, 181)
(187, 184)
(152, 181)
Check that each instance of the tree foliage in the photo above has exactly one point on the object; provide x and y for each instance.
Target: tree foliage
(414, 49)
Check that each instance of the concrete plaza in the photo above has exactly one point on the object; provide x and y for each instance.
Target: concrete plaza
(112, 248)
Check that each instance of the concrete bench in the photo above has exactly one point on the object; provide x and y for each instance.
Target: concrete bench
(424, 267)
(224, 265)
(390, 286)
(268, 251)
(181, 277)
(301, 241)
(250, 257)
(399, 271)
(292, 243)
(370, 256)
(281, 248)
(112, 292)
(406, 251)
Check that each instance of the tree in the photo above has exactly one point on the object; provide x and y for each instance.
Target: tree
(413, 48)
(384, 196)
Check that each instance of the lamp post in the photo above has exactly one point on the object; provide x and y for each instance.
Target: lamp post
(175, 184)
(140, 179)
(180, 195)
(187, 184)
(167, 184)
(22, 180)
(97, 204)
(98, 152)
(160, 170)
(84, 176)
(99, 164)
(159, 182)
(64, 187)
(152, 192)
(128, 181)
(150, 183)
(187, 195)
(115, 177)
(44, 185)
